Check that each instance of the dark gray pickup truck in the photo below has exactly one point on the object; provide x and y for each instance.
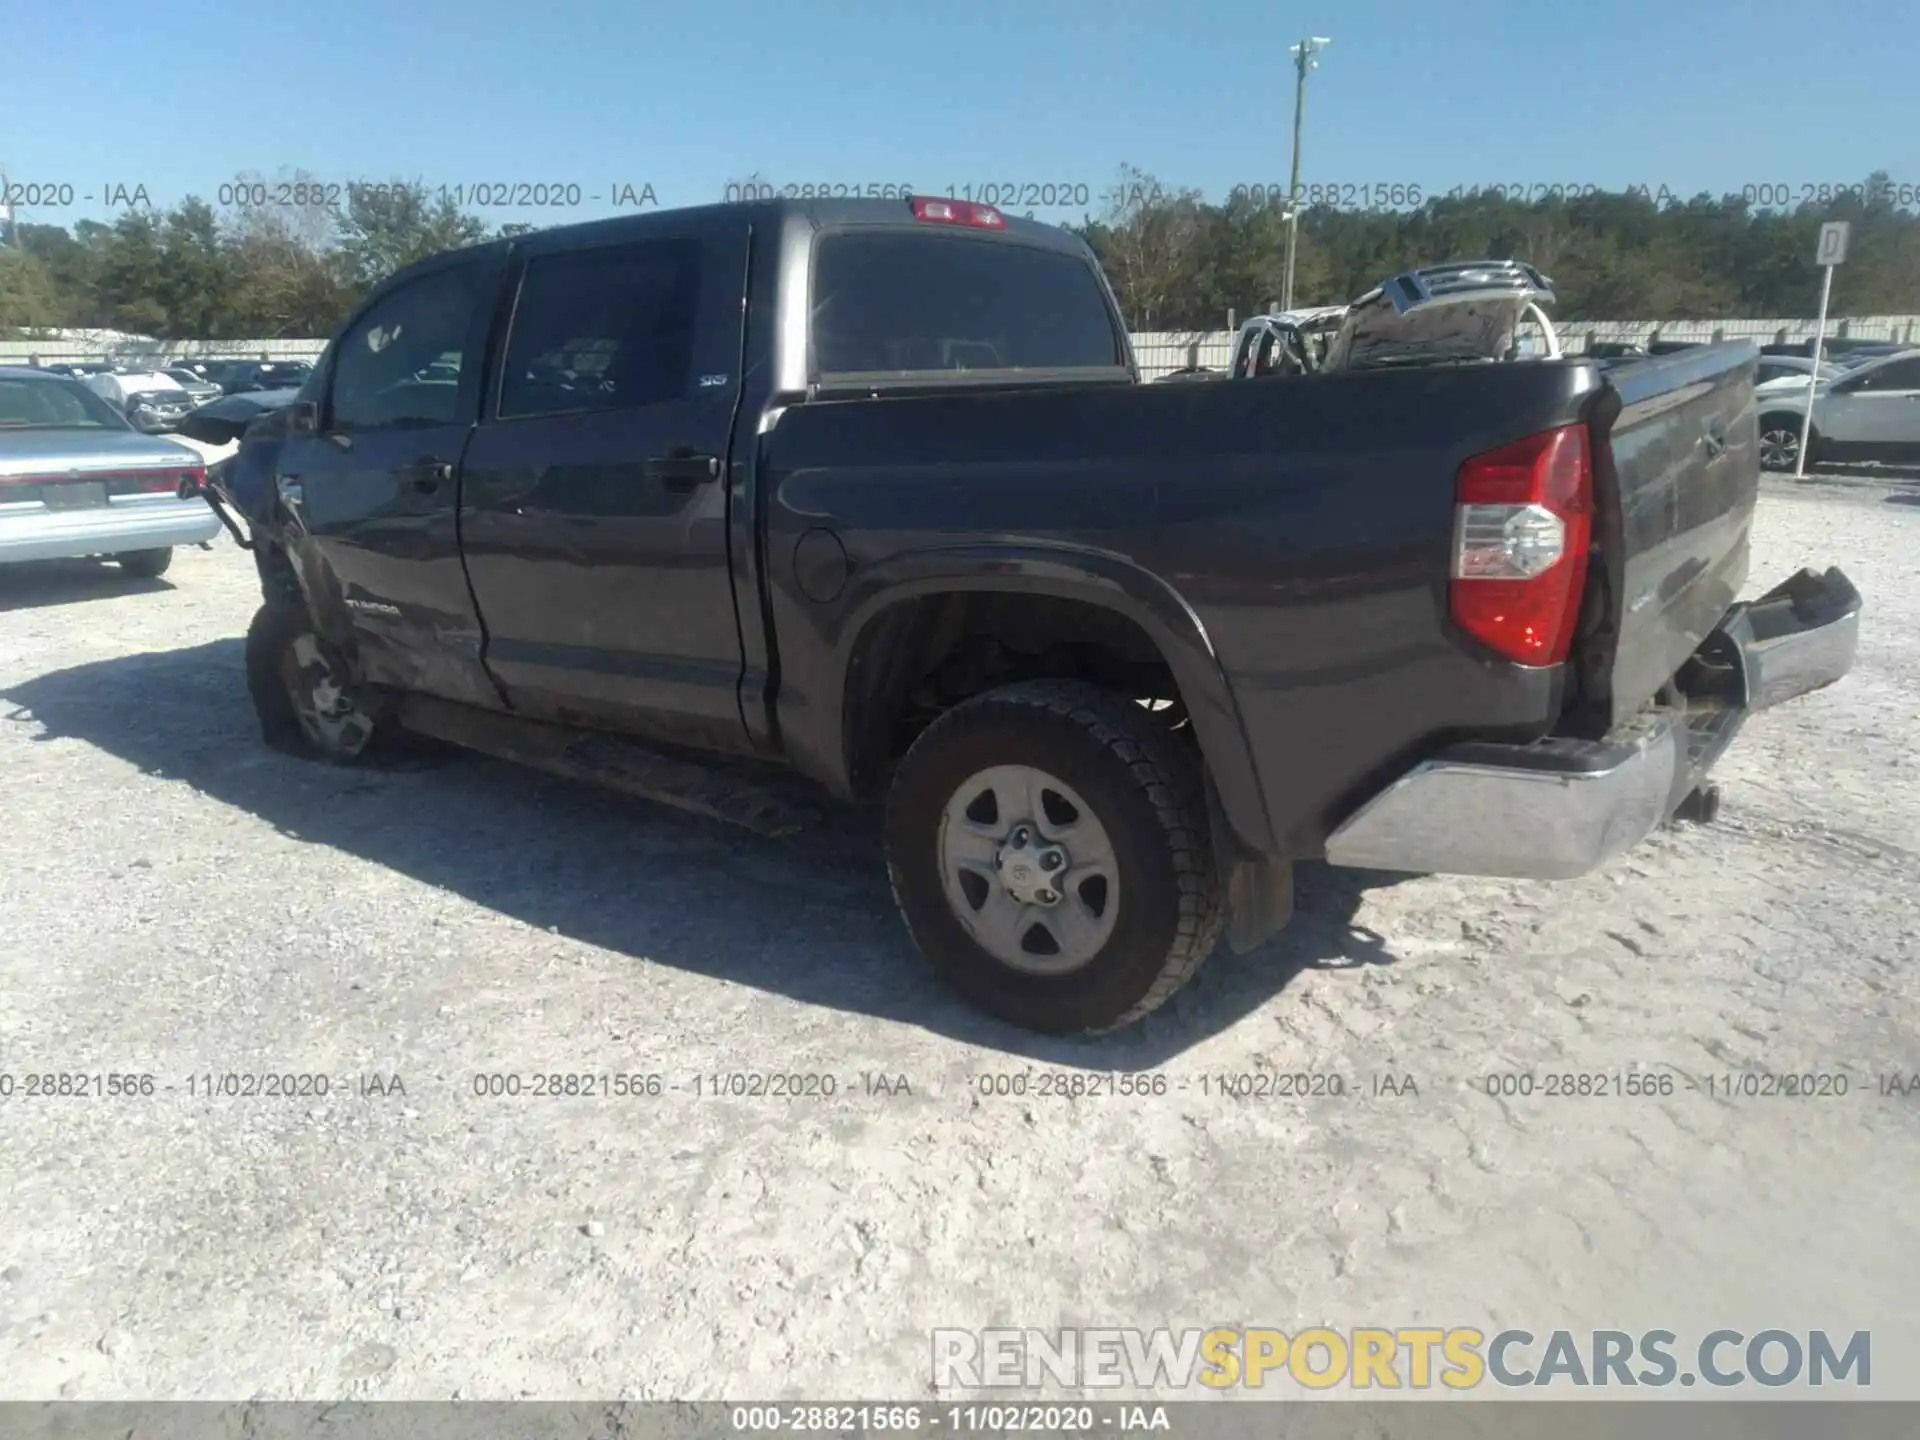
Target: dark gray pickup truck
(871, 490)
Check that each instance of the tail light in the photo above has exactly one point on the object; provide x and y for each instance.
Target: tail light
(172, 481)
(119, 482)
(1523, 521)
(957, 212)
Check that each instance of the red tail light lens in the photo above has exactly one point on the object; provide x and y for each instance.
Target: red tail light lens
(936, 211)
(1523, 521)
(170, 481)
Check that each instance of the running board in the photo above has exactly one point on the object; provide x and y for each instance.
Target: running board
(609, 761)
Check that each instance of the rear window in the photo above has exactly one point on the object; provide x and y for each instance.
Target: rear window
(903, 303)
(54, 405)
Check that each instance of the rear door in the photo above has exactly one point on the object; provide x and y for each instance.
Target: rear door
(1878, 407)
(595, 492)
(377, 488)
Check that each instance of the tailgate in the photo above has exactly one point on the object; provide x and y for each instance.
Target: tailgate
(1677, 473)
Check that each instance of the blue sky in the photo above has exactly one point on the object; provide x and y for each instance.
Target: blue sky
(1689, 94)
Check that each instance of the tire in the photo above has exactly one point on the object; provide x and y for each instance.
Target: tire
(1147, 799)
(147, 564)
(1780, 442)
(287, 663)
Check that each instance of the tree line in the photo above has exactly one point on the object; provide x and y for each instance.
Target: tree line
(246, 271)
(1177, 260)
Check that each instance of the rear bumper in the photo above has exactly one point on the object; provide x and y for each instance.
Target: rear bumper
(1559, 808)
(145, 524)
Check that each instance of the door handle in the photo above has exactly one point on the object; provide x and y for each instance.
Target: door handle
(424, 476)
(683, 472)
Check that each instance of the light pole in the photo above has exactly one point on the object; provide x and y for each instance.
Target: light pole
(1303, 61)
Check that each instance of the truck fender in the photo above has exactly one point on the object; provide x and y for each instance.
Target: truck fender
(1096, 577)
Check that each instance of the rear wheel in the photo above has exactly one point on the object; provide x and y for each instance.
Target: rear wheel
(147, 564)
(1780, 442)
(300, 692)
(1048, 848)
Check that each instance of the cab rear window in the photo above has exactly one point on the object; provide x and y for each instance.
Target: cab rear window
(903, 303)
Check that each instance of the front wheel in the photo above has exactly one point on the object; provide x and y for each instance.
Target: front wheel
(300, 692)
(1049, 852)
(147, 564)
(1780, 442)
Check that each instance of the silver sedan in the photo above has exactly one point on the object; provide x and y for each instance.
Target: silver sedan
(77, 480)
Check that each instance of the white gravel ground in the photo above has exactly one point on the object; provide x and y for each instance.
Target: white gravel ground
(175, 900)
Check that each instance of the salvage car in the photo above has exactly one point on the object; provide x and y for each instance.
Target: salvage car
(77, 480)
(1476, 310)
(199, 389)
(241, 377)
(871, 491)
(1866, 411)
(152, 400)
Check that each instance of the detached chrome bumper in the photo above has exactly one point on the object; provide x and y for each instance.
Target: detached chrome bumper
(1558, 807)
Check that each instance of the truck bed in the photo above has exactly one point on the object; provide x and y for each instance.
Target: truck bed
(1306, 526)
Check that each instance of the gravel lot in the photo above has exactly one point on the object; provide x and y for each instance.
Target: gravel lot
(176, 901)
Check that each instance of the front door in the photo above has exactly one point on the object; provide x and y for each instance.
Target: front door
(377, 487)
(595, 490)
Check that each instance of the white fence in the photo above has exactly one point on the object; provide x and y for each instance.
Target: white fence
(1160, 351)
(72, 346)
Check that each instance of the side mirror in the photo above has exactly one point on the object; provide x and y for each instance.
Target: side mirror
(303, 418)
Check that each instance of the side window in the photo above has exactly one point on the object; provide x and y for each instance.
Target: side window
(391, 368)
(1767, 372)
(603, 329)
(1902, 375)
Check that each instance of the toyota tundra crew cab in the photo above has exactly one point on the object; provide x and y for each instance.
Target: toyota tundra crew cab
(871, 491)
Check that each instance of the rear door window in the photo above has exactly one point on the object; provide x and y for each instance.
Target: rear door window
(1902, 375)
(903, 303)
(604, 329)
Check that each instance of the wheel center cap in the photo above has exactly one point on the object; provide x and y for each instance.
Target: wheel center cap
(1029, 866)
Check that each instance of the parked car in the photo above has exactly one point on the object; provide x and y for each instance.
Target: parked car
(199, 389)
(76, 479)
(871, 490)
(210, 370)
(1869, 411)
(1791, 369)
(152, 400)
(244, 376)
(1838, 349)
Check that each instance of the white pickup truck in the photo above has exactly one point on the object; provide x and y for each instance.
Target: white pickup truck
(1870, 412)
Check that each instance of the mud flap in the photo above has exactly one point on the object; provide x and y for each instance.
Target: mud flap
(1259, 889)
